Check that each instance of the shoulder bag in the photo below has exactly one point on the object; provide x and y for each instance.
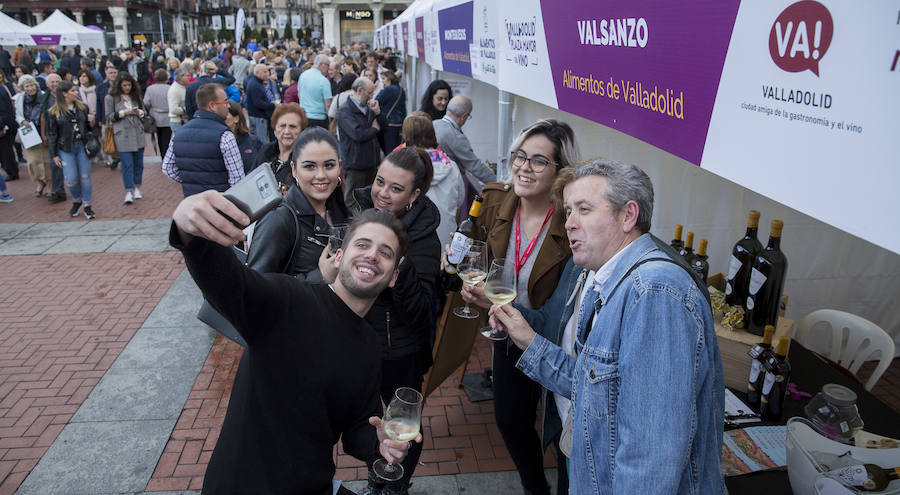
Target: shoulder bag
(214, 319)
(109, 141)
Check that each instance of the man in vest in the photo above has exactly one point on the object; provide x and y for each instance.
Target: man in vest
(204, 154)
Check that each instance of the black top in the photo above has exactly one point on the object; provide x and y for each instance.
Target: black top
(310, 376)
(402, 315)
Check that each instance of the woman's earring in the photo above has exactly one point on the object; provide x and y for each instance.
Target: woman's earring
(409, 207)
(340, 181)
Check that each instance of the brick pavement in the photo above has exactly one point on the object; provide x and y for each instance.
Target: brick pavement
(63, 321)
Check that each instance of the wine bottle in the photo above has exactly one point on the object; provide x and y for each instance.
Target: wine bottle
(467, 232)
(758, 354)
(700, 263)
(766, 283)
(677, 244)
(778, 372)
(741, 263)
(866, 477)
(687, 252)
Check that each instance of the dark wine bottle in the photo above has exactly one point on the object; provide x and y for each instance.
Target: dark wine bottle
(687, 252)
(741, 263)
(467, 232)
(700, 263)
(766, 283)
(677, 244)
(778, 372)
(866, 477)
(758, 355)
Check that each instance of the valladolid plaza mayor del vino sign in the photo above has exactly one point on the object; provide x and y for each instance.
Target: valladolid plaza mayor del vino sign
(798, 101)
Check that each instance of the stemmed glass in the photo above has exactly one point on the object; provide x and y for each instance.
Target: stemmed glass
(401, 424)
(472, 270)
(499, 288)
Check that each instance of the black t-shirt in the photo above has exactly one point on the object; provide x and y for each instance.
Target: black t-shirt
(310, 376)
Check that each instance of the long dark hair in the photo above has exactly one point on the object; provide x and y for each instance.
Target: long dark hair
(116, 89)
(427, 99)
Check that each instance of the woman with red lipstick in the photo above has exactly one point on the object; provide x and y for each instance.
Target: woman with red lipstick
(402, 315)
(313, 204)
(523, 226)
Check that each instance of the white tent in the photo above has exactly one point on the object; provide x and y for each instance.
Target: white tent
(13, 32)
(59, 29)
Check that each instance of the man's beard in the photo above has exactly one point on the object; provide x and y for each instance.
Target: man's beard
(361, 292)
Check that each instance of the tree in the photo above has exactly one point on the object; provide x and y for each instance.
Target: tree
(248, 34)
(208, 34)
(288, 30)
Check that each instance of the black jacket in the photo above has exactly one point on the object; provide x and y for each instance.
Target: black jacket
(250, 146)
(60, 130)
(275, 233)
(402, 315)
(268, 154)
(190, 93)
(359, 140)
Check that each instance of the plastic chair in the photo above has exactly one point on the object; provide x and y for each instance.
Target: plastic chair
(852, 340)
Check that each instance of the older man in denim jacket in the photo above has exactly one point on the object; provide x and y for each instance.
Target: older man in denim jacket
(643, 371)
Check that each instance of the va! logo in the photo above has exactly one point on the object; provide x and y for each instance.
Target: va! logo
(800, 37)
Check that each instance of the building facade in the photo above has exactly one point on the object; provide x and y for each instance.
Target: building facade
(348, 21)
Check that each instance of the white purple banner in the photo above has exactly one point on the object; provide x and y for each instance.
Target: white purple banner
(456, 30)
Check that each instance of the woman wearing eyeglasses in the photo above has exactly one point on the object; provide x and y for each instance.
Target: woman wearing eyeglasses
(524, 228)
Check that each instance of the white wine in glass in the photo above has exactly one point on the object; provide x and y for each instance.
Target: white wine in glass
(500, 289)
(472, 269)
(400, 423)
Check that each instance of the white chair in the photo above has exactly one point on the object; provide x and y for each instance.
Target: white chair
(853, 340)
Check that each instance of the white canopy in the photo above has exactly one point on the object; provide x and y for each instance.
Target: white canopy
(59, 29)
(13, 32)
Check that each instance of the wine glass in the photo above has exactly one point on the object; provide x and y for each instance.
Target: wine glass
(401, 424)
(336, 238)
(472, 270)
(499, 288)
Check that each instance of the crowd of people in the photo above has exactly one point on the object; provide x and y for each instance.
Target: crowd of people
(605, 320)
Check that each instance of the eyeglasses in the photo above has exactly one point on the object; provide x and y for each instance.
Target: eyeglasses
(468, 116)
(538, 163)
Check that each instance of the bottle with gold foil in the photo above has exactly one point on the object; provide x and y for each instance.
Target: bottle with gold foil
(701, 263)
(766, 283)
(741, 263)
(778, 372)
(677, 244)
(758, 354)
(687, 252)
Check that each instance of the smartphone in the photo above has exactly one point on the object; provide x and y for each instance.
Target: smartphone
(256, 193)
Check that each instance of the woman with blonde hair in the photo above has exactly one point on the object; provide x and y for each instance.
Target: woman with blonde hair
(28, 116)
(68, 130)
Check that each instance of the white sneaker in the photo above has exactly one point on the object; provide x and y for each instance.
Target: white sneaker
(137, 193)
(129, 198)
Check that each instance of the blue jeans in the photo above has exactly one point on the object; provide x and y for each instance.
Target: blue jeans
(260, 127)
(77, 171)
(132, 168)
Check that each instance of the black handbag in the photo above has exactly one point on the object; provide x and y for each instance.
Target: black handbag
(149, 124)
(92, 146)
(214, 319)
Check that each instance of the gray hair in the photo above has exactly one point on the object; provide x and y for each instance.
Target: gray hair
(359, 82)
(625, 182)
(565, 151)
(321, 59)
(459, 105)
(179, 73)
(25, 79)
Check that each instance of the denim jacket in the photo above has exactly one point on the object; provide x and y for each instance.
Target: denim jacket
(647, 385)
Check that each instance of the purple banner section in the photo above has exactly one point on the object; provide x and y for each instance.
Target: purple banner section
(420, 36)
(46, 39)
(455, 26)
(648, 68)
(396, 36)
(405, 37)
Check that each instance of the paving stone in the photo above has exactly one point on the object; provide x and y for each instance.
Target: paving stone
(156, 226)
(181, 304)
(138, 394)
(78, 244)
(52, 229)
(28, 245)
(164, 347)
(100, 457)
(107, 227)
(10, 230)
(130, 243)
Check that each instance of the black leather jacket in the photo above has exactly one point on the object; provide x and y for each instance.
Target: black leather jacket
(274, 236)
(60, 130)
(402, 315)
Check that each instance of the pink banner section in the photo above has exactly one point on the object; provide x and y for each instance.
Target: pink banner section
(649, 68)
